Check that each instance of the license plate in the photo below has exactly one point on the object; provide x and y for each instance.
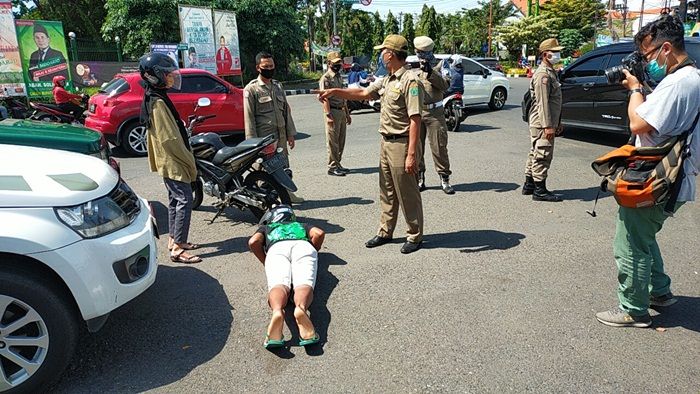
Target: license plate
(274, 163)
(92, 108)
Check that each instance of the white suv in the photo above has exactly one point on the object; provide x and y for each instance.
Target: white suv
(481, 85)
(75, 244)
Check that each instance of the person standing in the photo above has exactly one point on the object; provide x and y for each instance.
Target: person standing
(433, 116)
(670, 110)
(266, 111)
(169, 151)
(336, 115)
(544, 122)
(399, 127)
(223, 58)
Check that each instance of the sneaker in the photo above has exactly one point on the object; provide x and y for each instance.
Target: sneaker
(336, 172)
(421, 181)
(343, 169)
(616, 317)
(410, 247)
(445, 185)
(664, 300)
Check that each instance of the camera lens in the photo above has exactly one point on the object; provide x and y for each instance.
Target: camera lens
(614, 74)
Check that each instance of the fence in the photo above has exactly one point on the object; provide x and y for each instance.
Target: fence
(82, 49)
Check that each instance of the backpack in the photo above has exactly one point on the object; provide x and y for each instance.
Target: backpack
(526, 105)
(640, 177)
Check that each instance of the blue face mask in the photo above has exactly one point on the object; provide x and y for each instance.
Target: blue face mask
(656, 72)
(425, 55)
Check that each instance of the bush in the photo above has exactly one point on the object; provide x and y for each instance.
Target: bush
(587, 47)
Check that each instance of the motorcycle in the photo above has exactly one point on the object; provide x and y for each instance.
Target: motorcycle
(455, 113)
(250, 175)
(16, 108)
(54, 113)
(354, 105)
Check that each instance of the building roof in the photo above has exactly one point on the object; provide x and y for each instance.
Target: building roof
(522, 5)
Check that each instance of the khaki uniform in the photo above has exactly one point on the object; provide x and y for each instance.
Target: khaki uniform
(433, 121)
(264, 108)
(335, 134)
(401, 97)
(545, 113)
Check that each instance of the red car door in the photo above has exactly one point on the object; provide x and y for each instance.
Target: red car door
(195, 86)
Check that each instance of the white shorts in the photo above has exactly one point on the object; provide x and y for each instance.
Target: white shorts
(291, 262)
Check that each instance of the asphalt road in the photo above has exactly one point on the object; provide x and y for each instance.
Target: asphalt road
(501, 298)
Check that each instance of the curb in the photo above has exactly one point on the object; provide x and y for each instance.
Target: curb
(516, 76)
(297, 91)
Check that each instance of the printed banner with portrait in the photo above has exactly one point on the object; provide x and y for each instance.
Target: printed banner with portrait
(43, 52)
(228, 54)
(91, 74)
(197, 30)
(11, 78)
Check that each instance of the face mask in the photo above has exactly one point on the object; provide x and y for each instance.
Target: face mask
(336, 67)
(267, 73)
(656, 72)
(428, 55)
(555, 58)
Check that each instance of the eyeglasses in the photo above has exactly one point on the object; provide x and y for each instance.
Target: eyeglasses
(645, 55)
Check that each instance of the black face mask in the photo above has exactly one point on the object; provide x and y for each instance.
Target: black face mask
(267, 73)
(336, 67)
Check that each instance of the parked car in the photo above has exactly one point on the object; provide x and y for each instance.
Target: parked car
(481, 85)
(76, 243)
(72, 138)
(115, 110)
(589, 101)
(490, 62)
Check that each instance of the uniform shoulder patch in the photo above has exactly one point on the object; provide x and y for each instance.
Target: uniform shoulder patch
(246, 93)
(413, 89)
(545, 80)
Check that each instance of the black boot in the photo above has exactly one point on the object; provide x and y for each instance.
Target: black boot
(421, 180)
(445, 185)
(542, 194)
(528, 186)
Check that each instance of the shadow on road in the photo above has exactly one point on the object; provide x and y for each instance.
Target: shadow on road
(326, 282)
(473, 128)
(498, 187)
(481, 109)
(587, 194)
(323, 224)
(339, 202)
(365, 170)
(301, 136)
(473, 241)
(157, 338)
(683, 313)
(160, 212)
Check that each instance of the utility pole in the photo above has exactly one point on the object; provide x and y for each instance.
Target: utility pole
(490, 23)
(683, 10)
(335, 30)
(400, 22)
(529, 7)
(641, 17)
(624, 18)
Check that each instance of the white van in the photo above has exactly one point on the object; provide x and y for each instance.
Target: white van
(75, 243)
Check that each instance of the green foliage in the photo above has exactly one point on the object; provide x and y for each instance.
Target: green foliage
(392, 24)
(84, 17)
(353, 30)
(570, 39)
(408, 30)
(378, 28)
(428, 24)
(587, 47)
(582, 15)
(531, 31)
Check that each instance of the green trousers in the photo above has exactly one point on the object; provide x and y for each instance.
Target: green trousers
(640, 267)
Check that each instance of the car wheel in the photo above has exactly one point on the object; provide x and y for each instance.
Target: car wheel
(134, 139)
(38, 332)
(498, 98)
(263, 182)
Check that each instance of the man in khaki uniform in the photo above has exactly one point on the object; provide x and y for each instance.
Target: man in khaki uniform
(544, 122)
(266, 111)
(399, 125)
(433, 117)
(336, 115)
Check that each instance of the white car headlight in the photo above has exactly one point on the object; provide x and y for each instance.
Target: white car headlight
(102, 216)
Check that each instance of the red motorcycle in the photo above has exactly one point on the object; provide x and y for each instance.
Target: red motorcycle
(54, 113)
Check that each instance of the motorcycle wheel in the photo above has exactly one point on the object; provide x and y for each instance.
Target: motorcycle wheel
(263, 182)
(452, 117)
(48, 118)
(197, 193)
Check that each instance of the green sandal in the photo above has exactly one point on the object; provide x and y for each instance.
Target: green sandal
(306, 342)
(273, 343)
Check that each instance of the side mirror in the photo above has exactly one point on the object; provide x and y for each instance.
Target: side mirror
(203, 102)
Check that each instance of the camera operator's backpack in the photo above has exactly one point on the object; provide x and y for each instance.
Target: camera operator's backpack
(526, 105)
(641, 177)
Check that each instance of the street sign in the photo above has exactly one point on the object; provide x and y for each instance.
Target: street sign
(335, 40)
(365, 2)
(182, 46)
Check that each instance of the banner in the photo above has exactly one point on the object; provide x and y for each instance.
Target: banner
(90, 74)
(43, 52)
(167, 49)
(11, 79)
(197, 30)
(228, 55)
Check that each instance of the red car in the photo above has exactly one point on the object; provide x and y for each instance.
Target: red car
(115, 110)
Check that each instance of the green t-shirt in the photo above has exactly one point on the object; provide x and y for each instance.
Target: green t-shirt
(276, 232)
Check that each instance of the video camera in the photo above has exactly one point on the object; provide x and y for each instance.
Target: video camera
(634, 63)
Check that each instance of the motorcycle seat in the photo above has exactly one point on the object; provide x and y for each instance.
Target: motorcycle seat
(230, 151)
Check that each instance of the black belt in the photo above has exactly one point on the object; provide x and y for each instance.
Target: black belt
(338, 108)
(392, 137)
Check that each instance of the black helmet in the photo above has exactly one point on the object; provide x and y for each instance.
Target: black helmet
(281, 213)
(355, 67)
(155, 67)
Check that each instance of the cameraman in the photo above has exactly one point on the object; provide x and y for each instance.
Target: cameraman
(668, 111)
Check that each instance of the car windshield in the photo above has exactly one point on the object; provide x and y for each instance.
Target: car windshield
(114, 87)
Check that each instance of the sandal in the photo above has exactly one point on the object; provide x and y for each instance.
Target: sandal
(187, 246)
(306, 342)
(273, 343)
(190, 259)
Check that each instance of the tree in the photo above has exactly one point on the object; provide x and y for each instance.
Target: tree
(530, 31)
(582, 15)
(356, 41)
(392, 24)
(571, 40)
(84, 17)
(378, 28)
(408, 30)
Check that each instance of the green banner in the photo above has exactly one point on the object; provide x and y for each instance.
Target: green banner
(43, 52)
